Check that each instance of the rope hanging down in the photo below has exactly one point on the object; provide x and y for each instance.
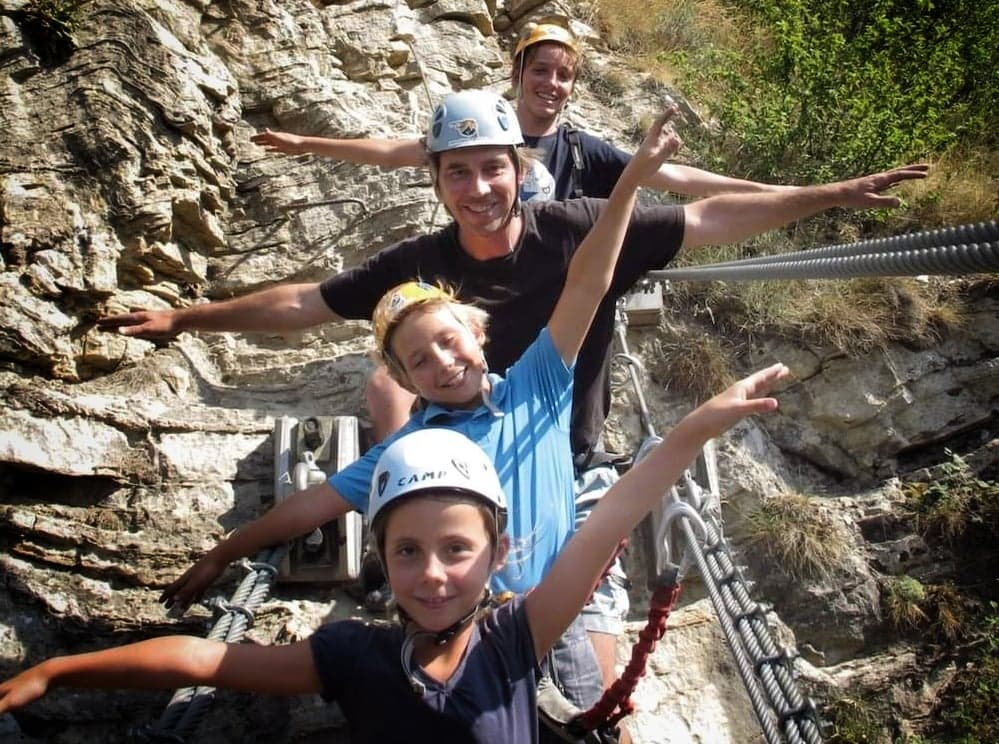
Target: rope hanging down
(189, 705)
(967, 249)
(616, 703)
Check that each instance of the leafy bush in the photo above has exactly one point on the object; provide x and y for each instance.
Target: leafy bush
(955, 502)
(973, 697)
(827, 89)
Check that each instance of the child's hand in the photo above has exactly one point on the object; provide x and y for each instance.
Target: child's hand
(25, 688)
(740, 400)
(660, 143)
(191, 586)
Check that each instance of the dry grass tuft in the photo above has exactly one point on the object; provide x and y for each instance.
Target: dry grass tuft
(641, 28)
(854, 315)
(962, 188)
(690, 362)
(805, 539)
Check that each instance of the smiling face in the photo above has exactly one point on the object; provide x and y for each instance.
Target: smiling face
(440, 358)
(438, 557)
(479, 186)
(545, 84)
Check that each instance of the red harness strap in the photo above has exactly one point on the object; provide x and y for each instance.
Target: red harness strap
(616, 701)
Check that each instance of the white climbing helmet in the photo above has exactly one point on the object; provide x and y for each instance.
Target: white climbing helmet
(472, 118)
(434, 460)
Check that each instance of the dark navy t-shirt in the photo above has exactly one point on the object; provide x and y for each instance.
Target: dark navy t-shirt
(602, 162)
(491, 697)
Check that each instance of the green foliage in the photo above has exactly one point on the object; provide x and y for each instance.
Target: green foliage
(854, 721)
(971, 711)
(826, 89)
(903, 600)
(955, 502)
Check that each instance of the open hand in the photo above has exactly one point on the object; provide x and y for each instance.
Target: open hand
(744, 398)
(151, 324)
(191, 585)
(660, 143)
(866, 192)
(290, 144)
(23, 689)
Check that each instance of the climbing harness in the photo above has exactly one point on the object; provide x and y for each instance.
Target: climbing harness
(966, 249)
(576, 149)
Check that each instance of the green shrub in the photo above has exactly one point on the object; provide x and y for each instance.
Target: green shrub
(973, 698)
(826, 89)
(855, 721)
(955, 502)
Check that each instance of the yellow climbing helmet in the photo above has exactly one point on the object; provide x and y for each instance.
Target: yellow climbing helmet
(535, 33)
(397, 301)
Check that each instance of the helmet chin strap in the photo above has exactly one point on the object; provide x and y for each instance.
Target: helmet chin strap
(487, 389)
(440, 638)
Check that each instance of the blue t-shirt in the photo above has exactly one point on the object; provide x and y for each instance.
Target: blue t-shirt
(527, 439)
(491, 697)
(602, 163)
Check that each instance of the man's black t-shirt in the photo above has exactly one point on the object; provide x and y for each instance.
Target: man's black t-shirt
(520, 290)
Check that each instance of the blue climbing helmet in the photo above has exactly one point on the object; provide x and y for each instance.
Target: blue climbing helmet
(472, 118)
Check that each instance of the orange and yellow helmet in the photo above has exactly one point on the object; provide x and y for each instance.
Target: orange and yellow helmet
(398, 300)
(536, 33)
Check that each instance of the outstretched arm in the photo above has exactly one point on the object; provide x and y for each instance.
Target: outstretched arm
(288, 307)
(166, 663)
(388, 153)
(560, 596)
(297, 515)
(592, 267)
(732, 218)
(690, 181)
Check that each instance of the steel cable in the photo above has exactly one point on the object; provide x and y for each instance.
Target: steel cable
(189, 705)
(771, 664)
(982, 232)
(955, 251)
(763, 710)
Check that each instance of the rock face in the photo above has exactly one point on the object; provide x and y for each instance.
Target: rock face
(128, 181)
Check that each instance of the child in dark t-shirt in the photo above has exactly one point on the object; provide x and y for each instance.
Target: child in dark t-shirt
(458, 669)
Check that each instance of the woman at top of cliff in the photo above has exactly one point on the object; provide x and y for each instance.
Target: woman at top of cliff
(546, 63)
